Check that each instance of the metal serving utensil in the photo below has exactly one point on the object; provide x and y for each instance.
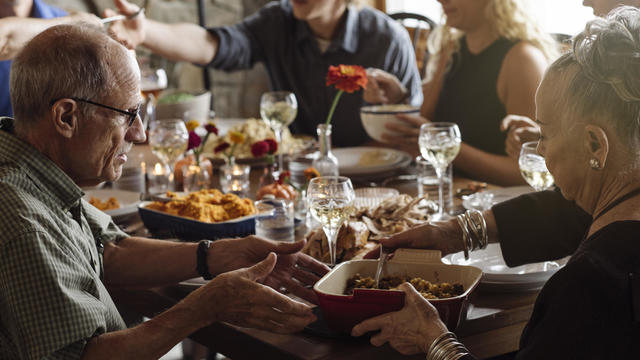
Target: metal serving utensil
(384, 254)
(123, 17)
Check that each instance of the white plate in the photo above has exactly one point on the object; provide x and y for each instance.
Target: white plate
(350, 160)
(495, 271)
(474, 201)
(128, 200)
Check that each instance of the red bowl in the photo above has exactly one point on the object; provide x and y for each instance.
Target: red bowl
(342, 312)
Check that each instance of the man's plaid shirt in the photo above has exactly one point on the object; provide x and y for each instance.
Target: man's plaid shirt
(52, 299)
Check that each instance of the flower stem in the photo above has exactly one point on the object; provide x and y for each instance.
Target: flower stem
(333, 106)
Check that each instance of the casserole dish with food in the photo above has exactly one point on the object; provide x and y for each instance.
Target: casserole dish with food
(342, 311)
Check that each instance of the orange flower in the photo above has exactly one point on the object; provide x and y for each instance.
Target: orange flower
(347, 78)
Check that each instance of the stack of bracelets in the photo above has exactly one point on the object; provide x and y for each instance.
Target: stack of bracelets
(474, 231)
(446, 347)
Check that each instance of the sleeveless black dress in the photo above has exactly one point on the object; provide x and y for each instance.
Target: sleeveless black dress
(469, 97)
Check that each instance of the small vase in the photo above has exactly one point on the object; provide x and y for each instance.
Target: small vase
(325, 162)
(195, 178)
(268, 177)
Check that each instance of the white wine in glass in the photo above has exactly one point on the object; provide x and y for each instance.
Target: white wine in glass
(168, 140)
(330, 200)
(533, 167)
(439, 144)
(278, 109)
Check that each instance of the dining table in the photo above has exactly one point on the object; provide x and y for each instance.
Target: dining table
(492, 326)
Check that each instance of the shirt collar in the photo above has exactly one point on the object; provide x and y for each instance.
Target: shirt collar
(38, 167)
(346, 34)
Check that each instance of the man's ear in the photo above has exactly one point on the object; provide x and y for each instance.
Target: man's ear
(64, 117)
(596, 144)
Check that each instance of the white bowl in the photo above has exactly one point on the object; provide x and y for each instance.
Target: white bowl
(374, 118)
(198, 106)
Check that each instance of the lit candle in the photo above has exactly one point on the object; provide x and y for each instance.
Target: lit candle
(237, 171)
(236, 186)
(158, 170)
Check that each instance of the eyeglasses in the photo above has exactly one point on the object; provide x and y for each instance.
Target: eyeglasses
(132, 115)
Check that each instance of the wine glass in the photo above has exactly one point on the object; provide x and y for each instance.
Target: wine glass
(439, 144)
(278, 109)
(330, 200)
(168, 139)
(152, 81)
(533, 168)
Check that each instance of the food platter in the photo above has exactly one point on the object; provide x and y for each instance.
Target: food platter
(128, 200)
(358, 161)
(498, 276)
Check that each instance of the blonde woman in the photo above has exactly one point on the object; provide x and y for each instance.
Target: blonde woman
(487, 61)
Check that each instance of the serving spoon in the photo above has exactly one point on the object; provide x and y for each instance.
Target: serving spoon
(384, 254)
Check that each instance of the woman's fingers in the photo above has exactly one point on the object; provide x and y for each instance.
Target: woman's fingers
(372, 324)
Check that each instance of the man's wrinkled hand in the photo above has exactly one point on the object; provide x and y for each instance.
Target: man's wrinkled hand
(410, 330)
(237, 297)
(295, 271)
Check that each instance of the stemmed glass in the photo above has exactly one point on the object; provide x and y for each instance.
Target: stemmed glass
(152, 82)
(439, 144)
(168, 139)
(278, 109)
(330, 200)
(533, 168)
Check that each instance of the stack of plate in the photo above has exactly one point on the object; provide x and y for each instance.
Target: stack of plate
(132, 179)
(497, 276)
(363, 161)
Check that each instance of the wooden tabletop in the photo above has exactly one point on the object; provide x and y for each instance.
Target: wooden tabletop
(493, 325)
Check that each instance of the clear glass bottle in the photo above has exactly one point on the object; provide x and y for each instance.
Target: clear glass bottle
(325, 162)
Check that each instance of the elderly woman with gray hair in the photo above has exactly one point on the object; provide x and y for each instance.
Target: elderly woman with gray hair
(588, 107)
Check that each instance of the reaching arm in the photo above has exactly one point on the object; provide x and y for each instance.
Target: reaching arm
(235, 297)
(17, 31)
(167, 40)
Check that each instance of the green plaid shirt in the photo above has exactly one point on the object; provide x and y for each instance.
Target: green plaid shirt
(52, 299)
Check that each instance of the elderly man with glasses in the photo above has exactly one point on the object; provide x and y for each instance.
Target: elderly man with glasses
(76, 95)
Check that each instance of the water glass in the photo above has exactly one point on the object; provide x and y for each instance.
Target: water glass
(428, 183)
(235, 179)
(278, 109)
(275, 220)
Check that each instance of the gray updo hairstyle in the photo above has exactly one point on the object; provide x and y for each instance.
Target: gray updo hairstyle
(607, 82)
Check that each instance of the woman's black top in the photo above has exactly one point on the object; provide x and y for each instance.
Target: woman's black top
(469, 96)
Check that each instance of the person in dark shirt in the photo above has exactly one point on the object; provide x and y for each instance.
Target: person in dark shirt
(296, 41)
(587, 107)
(486, 62)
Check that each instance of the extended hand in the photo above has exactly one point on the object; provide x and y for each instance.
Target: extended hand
(129, 32)
(238, 298)
(383, 88)
(520, 129)
(445, 236)
(294, 270)
(410, 330)
(406, 133)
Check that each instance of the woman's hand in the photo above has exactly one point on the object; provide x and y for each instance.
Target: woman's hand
(445, 236)
(294, 270)
(383, 88)
(520, 129)
(129, 32)
(410, 330)
(238, 297)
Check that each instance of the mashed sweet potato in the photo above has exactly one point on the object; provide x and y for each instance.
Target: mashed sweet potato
(209, 205)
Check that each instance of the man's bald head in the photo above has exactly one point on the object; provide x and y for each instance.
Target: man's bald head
(67, 61)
